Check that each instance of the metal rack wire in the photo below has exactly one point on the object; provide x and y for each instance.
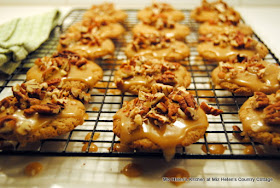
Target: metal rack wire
(106, 100)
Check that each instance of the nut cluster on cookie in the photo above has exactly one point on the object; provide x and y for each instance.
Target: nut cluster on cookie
(91, 37)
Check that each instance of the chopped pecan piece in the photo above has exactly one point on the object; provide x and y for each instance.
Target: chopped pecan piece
(7, 102)
(47, 109)
(168, 78)
(166, 89)
(238, 133)
(272, 114)
(53, 82)
(157, 118)
(210, 110)
(7, 124)
(260, 100)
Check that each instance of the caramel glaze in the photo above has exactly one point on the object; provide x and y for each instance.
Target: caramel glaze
(92, 148)
(95, 136)
(166, 137)
(90, 74)
(182, 76)
(36, 121)
(268, 84)
(132, 170)
(253, 120)
(176, 51)
(214, 148)
(181, 174)
(33, 169)
(216, 53)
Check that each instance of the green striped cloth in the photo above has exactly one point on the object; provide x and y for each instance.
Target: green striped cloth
(21, 36)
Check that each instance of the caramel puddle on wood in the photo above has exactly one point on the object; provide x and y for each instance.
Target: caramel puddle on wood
(120, 148)
(214, 148)
(86, 117)
(177, 176)
(132, 170)
(95, 108)
(33, 169)
(92, 148)
(111, 88)
(249, 150)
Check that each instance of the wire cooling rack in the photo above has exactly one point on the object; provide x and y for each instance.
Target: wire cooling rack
(106, 100)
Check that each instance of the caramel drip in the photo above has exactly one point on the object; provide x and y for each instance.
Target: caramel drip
(33, 169)
(92, 148)
(120, 148)
(268, 84)
(253, 120)
(177, 176)
(36, 121)
(95, 136)
(132, 170)
(214, 148)
(166, 137)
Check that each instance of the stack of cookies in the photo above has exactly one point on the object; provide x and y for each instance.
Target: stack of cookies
(241, 69)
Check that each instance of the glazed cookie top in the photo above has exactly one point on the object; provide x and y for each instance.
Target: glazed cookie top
(106, 12)
(165, 119)
(258, 75)
(96, 27)
(67, 66)
(160, 8)
(217, 10)
(34, 105)
(160, 21)
(146, 72)
(261, 113)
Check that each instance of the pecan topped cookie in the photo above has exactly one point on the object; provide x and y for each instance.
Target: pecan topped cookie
(40, 111)
(69, 67)
(105, 12)
(225, 46)
(157, 45)
(214, 11)
(162, 24)
(160, 121)
(95, 27)
(260, 118)
(244, 76)
(160, 8)
(141, 73)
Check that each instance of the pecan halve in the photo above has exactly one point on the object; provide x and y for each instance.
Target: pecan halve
(272, 114)
(210, 109)
(47, 109)
(7, 124)
(261, 100)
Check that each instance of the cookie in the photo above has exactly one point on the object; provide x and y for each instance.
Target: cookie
(260, 118)
(158, 46)
(220, 27)
(160, 8)
(246, 76)
(162, 24)
(105, 12)
(69, 67)
(86, 44)
(140, 74)
(103, 29)
(212, 11)
(160, 121)
(38, 111)
(223, 47)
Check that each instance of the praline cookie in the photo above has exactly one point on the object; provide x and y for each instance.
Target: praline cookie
(223, 47)
(105, 12)
(158, 46)
(160, 121)
(260, 117)
(164, 25)
(246, 76)
(141, 73)
(160, 8)
(214, 10)
(94, 27)
(69, 67)
(86, 44)
(38, 111)
(223, 27)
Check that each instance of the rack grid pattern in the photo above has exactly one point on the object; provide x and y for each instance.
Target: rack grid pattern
(106, 100)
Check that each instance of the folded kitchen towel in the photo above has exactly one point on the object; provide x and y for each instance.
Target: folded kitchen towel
(21, 36)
